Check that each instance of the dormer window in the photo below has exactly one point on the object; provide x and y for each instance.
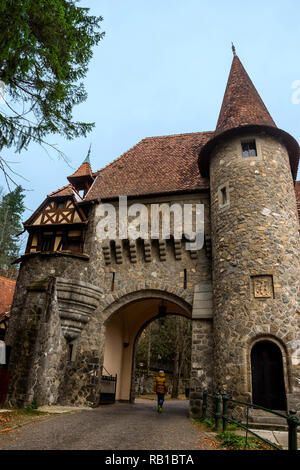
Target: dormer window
(60, 205)
(249, 149)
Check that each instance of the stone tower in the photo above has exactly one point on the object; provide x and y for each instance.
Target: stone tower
(255, 242)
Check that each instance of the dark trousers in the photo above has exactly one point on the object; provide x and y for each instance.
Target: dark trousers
(160, 399)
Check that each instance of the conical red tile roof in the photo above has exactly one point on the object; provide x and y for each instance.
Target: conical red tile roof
(242, 104)
(243, 111)
(83, 170)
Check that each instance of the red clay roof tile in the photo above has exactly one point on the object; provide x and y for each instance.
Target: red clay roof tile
(7, 290)
(243, 110)
(242, 104)
(67, 190)
(83, 170)
(155, 165)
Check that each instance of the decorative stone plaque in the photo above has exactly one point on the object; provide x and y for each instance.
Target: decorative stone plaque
(263, 287)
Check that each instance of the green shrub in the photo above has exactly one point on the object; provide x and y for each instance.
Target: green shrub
(235, 442)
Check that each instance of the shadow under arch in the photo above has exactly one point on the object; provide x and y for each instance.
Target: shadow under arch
(124, 319)
(143, 294)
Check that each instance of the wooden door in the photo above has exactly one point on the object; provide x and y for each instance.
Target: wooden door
(267, 376)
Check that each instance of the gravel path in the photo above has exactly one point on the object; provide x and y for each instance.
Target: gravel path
(114, 427)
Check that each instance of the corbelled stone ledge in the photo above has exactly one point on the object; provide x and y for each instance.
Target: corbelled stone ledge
(51, 253)
(77, 300)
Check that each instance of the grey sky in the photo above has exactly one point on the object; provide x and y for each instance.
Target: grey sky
(162, 69)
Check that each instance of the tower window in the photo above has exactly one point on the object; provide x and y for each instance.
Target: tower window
(224, 196)
(184, 279)
(113, 281)
(249, 149)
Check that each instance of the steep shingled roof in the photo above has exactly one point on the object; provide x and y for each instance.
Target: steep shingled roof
(155, 165)
(67, 190)
(83, 170)
(242, 104)
(242, 112)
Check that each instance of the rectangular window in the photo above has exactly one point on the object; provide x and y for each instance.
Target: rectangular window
(47, 242)
(249, 149)
(224, 196)
(73, 242)
(70, 241)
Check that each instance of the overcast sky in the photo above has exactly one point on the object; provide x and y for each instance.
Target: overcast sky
(162, 69)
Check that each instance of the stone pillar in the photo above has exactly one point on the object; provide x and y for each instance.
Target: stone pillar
(202, 346)
(201, 363)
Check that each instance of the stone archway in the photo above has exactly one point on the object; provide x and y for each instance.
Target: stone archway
(124, 320)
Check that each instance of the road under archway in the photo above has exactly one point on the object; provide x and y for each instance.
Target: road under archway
(122, 426)
(122, 329)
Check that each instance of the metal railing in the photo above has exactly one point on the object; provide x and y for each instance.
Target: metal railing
(220, 413)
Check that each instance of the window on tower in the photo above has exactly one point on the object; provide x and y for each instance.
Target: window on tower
(249, 149)
(224, 196)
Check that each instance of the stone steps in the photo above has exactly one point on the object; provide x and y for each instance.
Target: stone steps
(260, 419)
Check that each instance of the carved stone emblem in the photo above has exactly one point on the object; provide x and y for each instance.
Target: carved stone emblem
(263, 287)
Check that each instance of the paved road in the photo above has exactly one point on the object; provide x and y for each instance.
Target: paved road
(115, 427)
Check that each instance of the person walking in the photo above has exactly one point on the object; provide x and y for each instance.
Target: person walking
(160, 388)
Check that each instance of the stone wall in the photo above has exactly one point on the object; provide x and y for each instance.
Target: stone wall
(159, 270)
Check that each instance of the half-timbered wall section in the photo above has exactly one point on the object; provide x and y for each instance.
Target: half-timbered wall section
(60, 212)
(58, 225)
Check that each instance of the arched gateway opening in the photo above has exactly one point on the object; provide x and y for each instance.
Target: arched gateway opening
(123, 327)
(267, 376)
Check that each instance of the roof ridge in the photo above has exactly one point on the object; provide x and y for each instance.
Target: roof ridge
(144, 139)
(60, 189)
(178, 135)
(116, 159)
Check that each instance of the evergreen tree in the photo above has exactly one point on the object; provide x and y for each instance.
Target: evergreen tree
(45, 47)
(11, 209)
